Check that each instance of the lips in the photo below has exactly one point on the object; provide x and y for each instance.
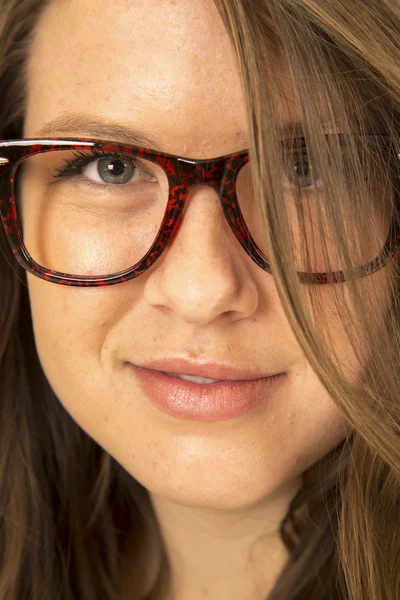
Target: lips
(222, 400)
(208, 370)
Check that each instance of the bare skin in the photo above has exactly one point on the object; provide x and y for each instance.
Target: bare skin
(220, 489)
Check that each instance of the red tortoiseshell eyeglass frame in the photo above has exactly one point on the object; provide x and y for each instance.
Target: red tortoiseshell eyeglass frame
(183, 173)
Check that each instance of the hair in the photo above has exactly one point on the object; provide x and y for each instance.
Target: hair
(67, 508)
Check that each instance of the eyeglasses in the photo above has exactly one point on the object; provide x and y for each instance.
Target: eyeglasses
(86, 212)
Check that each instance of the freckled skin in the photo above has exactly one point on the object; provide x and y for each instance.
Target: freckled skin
(147, 64)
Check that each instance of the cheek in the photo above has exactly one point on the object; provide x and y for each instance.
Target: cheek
(71, 327)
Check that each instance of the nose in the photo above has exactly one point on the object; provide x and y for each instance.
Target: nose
(204, 273)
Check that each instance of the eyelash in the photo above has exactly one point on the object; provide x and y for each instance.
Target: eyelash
(72, 167)
(83, 159)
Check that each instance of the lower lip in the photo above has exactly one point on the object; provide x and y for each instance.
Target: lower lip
(220, 400)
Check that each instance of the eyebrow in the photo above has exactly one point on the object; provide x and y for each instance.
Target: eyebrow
(81, 124)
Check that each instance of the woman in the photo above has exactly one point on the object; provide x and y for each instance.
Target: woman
(186, 411)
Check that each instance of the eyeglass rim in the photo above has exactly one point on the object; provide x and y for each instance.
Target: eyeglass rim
(15, 151)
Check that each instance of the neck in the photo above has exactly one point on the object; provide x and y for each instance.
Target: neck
(218, 554)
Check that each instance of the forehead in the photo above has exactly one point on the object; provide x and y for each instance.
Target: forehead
(164, 67)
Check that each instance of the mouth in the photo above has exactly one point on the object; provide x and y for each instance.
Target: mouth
(184, 396)
(182, 367)
(193, 379)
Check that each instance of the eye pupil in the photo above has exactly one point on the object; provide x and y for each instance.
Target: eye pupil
(304, 169)
(116, 167)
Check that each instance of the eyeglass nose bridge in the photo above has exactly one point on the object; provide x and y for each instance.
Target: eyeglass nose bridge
(221, 174)
(201, 172)
(210, 173)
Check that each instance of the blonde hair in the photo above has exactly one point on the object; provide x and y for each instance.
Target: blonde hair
(342, 528)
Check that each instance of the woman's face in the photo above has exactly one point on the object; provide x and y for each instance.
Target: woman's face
(165, 68)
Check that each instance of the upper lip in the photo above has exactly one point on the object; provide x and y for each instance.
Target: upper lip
(205, 369)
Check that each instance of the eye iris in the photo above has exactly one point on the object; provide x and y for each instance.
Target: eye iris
(303, 169)
(115, 170)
